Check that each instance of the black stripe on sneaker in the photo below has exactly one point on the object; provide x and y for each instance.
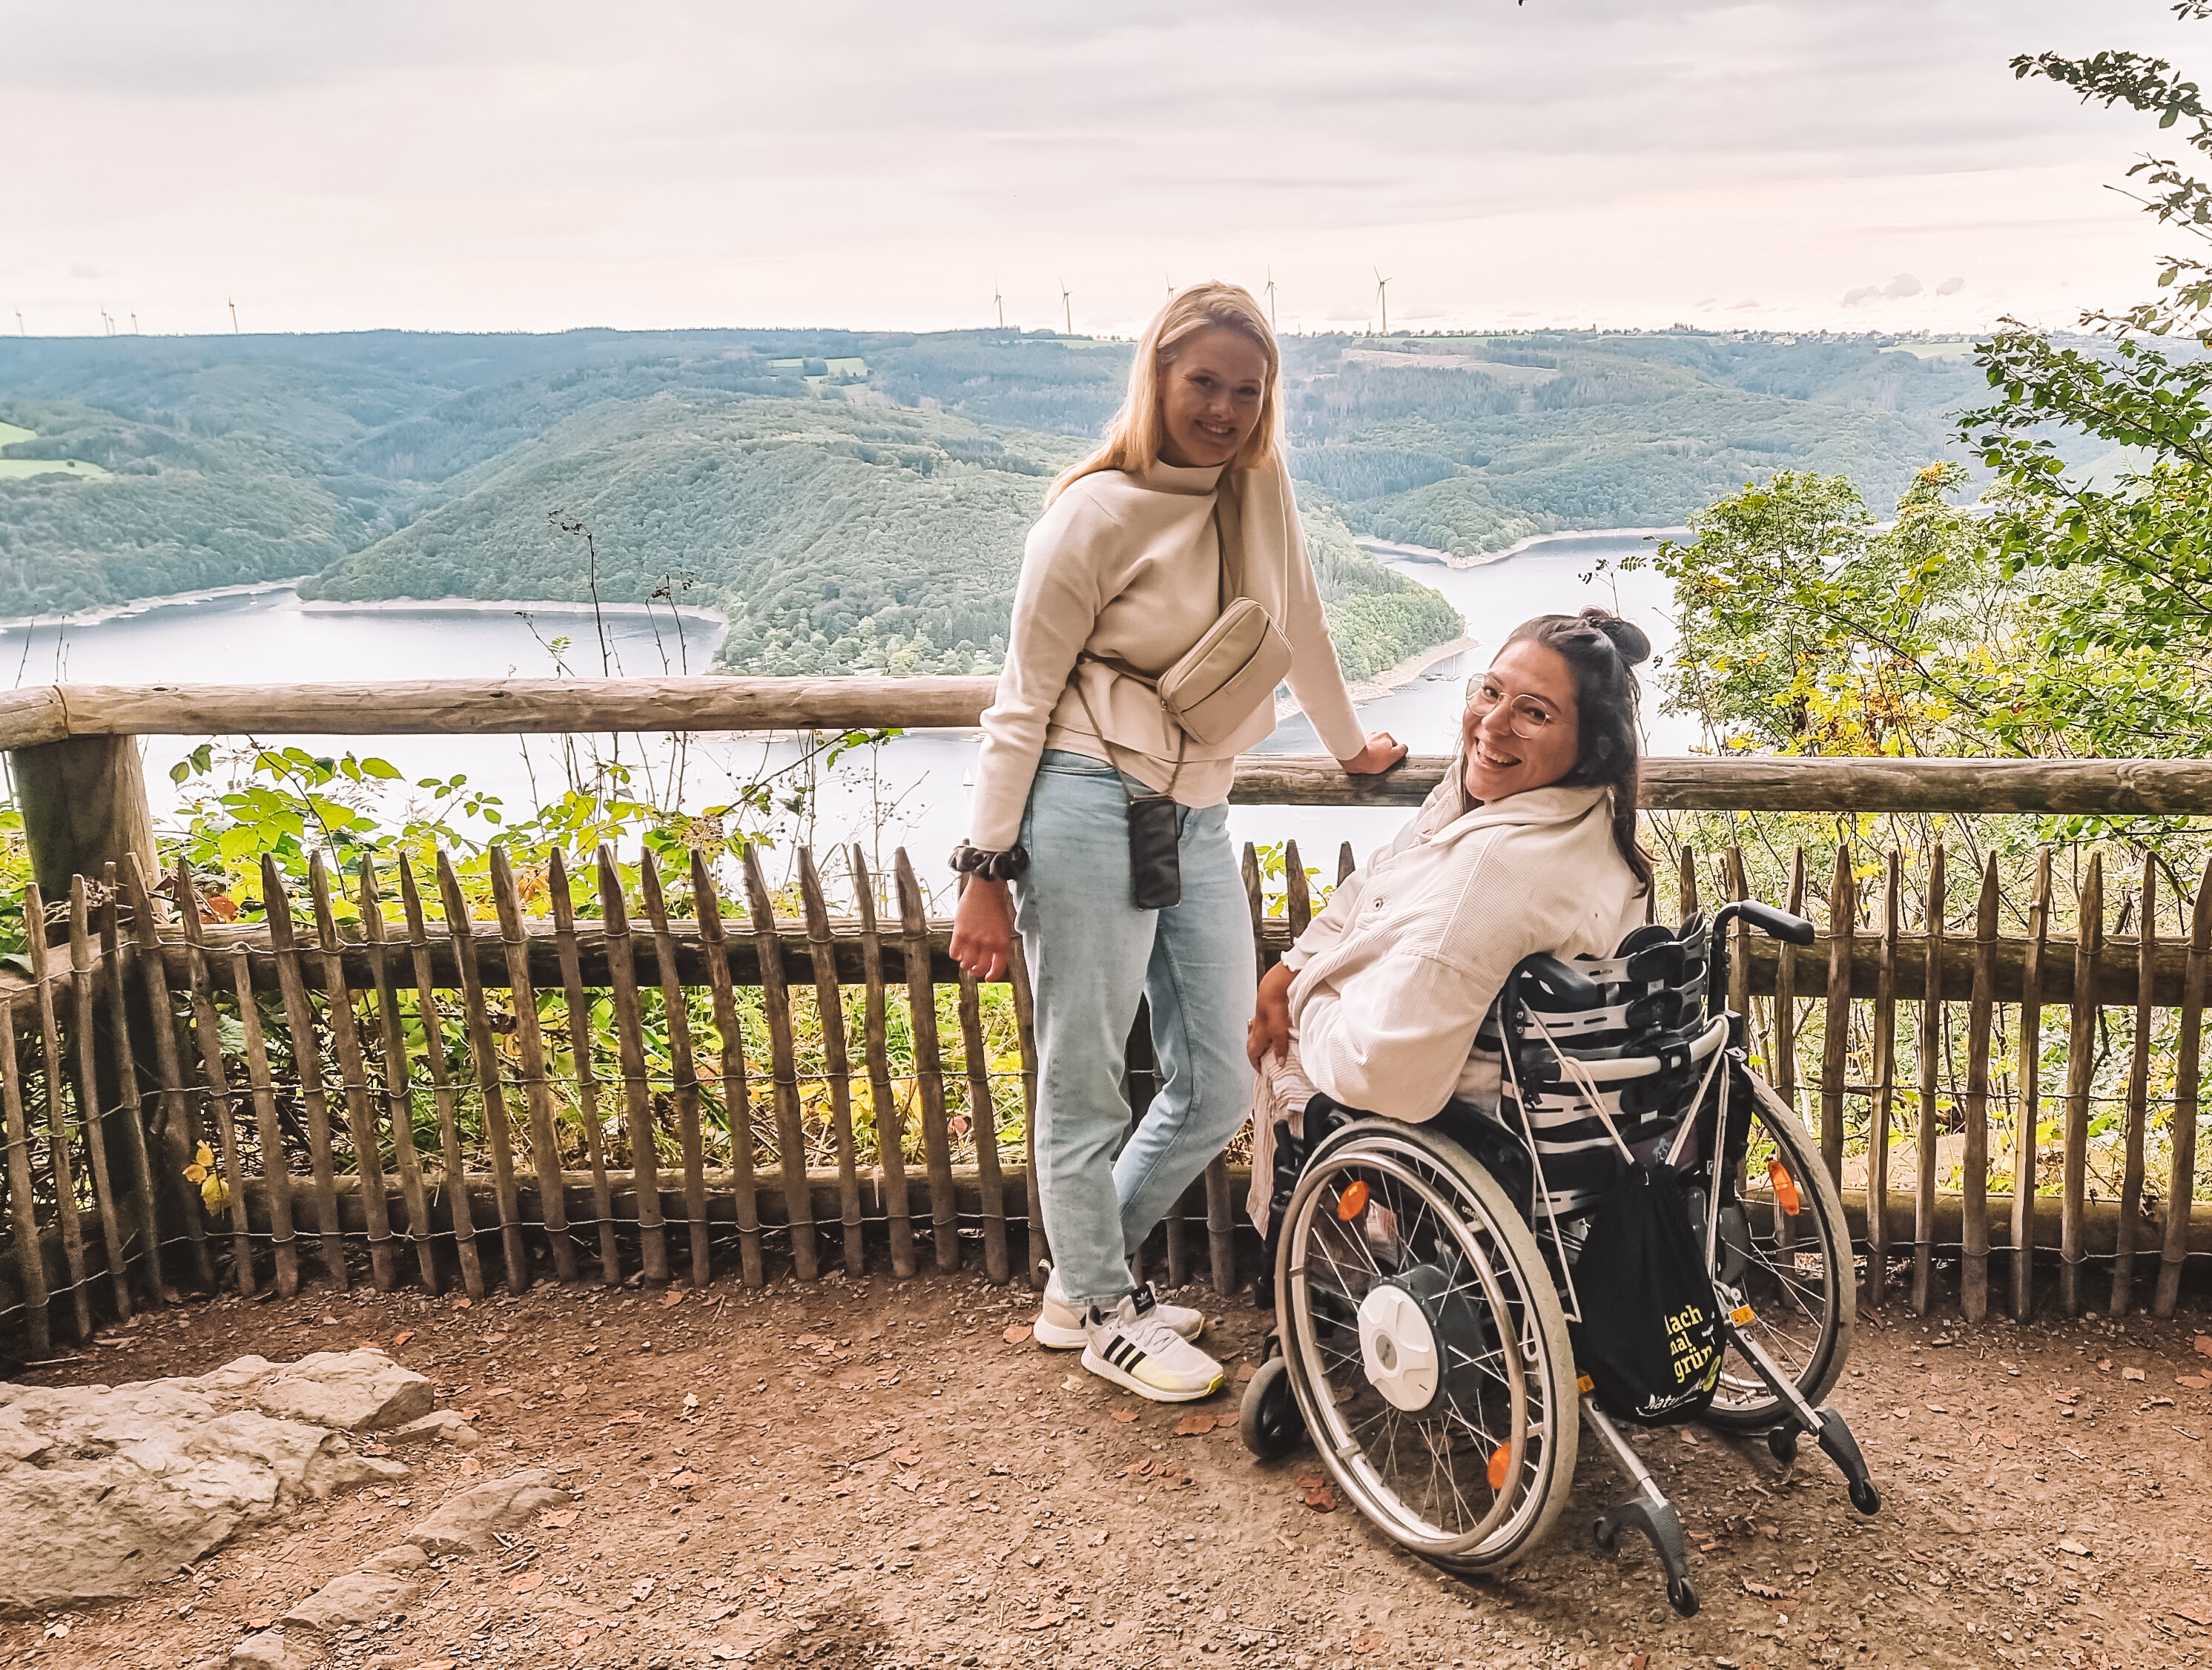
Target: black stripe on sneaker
(1123, 1354)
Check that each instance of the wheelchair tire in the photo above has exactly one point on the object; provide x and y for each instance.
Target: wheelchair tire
(1269, 1420)
(1803, 1292)
(1425, 1341)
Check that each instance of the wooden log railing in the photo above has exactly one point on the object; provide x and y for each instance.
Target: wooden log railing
(406, 1095)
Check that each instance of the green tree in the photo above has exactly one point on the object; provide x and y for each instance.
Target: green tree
(1807, 627)
(2119, 557)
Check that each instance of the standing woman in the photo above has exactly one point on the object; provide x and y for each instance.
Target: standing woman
(1145, 550)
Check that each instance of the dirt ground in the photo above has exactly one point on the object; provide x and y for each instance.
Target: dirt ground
(875, 1474)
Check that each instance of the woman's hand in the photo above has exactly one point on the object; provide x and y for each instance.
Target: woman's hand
(1270, 1030)
(983, 929)
(1383, 751)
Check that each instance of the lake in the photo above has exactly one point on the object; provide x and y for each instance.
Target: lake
(909, 793)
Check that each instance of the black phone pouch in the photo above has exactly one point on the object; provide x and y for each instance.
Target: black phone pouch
(1154, 859)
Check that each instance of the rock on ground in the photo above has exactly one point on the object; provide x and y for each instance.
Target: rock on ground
(358, 1390)
(269, 1650)
(354, 1597)
(465, 1524)
(104, 1488)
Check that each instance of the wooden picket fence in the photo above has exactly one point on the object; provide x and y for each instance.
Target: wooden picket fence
(301, 1054)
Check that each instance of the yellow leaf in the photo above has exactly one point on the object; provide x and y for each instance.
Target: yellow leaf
(205, 1156)
(194, 1174)
(215, 1193)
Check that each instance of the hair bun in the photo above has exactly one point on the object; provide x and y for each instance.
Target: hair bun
(1628, 640)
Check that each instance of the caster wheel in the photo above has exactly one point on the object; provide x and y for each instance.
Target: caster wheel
(1865, 1497)
(1682, 1597)
(1782, 1444)
(1269, 1421)
(1608, 1534)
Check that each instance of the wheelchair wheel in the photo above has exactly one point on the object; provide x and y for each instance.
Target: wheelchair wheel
(1426, 1346)
(1268, 1420)
(1793, 1267)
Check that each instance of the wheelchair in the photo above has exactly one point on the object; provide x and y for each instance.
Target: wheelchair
(1422, 1276)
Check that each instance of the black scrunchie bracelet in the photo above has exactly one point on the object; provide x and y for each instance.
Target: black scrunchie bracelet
(990, 866)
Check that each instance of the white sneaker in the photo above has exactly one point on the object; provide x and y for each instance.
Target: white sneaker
(1132, 1346)
(1059, 1326)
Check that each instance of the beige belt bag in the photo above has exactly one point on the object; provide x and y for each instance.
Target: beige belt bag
(1228, 674)
(1231, 672)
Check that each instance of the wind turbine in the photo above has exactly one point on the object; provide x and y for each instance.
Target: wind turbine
(21, 329)
(106, 322)
(1000, 302)
(1271, 298)
(1066, 312)
(135, 330)
(234, 319)
(1383, 296)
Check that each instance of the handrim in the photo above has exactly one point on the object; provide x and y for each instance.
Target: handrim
(1425, 1177)
(1811, 1349)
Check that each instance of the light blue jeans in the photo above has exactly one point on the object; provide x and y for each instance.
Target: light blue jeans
(1092, 954)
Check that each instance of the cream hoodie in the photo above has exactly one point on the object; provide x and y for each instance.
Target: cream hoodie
(1128, 566)
(1395, 977)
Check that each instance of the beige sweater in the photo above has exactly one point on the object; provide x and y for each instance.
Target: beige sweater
(1128, 566)
(1395, 977)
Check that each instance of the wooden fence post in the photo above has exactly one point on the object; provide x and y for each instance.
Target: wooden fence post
(1836, 1028)
(1885, 1087)
(1785, 994)
(2080, 1067)
(2028, 1104)
(1974, 1212)
(1931, 1047)
(2138, 1111)
(84, 802)
(2182, 1189)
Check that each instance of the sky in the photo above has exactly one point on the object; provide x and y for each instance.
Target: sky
(1819, 164)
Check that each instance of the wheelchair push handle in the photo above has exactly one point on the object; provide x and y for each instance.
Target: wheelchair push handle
(1775, 924)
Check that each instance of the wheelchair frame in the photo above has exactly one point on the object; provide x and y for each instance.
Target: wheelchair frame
(1474, 1334)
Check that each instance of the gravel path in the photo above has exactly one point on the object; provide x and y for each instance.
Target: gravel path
(874, 1474)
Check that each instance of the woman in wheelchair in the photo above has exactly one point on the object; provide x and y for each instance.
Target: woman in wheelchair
(1494, 1160)
(1528, 845)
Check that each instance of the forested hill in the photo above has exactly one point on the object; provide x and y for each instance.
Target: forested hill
(856, 499)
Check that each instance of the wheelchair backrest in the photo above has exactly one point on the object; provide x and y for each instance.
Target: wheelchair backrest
(1644, 1044)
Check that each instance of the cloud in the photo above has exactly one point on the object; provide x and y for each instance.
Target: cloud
(86, 269)
(1903, 285)
(535, 167)
(1951, 286)
(1740, 306)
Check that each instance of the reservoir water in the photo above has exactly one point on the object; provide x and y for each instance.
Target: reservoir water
(908, 793)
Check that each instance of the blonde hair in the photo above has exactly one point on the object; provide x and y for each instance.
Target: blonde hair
(1133, 439)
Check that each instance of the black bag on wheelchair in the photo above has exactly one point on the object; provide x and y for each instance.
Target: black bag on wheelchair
(1649, 1338)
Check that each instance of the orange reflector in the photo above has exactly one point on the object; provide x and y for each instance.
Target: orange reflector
(1353, 1201)
(1739, 1316)
(1585, 1385)
(1786, 1188)
(1500, 1459)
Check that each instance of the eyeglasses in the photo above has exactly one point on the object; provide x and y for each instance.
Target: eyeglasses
(1527, 716)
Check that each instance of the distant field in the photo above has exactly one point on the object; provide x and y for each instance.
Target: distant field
(1933, 350)
(18, 468)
